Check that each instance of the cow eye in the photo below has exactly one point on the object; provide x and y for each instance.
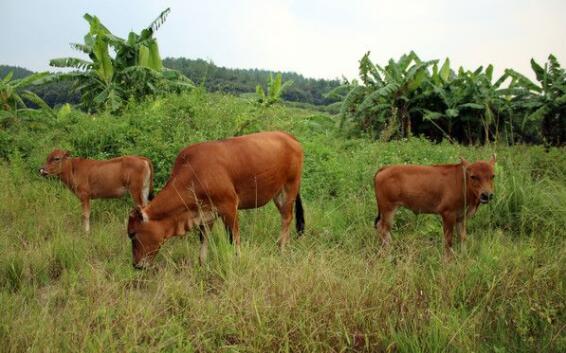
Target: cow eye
(56, 158)
(475, 177)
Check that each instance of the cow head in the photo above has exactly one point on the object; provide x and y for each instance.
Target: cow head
(146, 236)
(54, 164)
(479, 178)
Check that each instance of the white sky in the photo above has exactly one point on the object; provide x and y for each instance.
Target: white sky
(317, 38)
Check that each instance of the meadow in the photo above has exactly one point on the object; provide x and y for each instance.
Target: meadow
(332, 290)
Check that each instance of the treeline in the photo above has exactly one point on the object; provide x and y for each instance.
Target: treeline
(409, 96)
(238, 81)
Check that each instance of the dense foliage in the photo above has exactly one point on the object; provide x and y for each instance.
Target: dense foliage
(411, 96)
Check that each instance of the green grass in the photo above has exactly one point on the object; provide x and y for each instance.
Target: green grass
(332, 290)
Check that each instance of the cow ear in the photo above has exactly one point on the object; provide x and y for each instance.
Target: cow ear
(493, 159)
(464, 162)
(139, 214)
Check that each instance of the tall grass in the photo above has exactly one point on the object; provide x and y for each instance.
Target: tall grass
(332, 290)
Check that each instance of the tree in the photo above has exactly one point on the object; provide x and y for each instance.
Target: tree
(275, 88)
(386, 94)
(106, 82)
(544, 104)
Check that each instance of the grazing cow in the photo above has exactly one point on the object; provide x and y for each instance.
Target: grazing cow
(216, 179)
(92, 179)
(454, 191)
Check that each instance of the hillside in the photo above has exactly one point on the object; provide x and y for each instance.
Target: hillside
(334, 289)
(214, 78)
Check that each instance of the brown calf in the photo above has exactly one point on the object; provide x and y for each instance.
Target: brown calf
(454, 191)
(92, 179)
(215, 179)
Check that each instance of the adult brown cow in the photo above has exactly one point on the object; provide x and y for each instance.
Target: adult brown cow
(92, 179)
(215, 179)
(454, 191)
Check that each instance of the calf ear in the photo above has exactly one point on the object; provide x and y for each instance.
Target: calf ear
(493, 159)
(464, 162)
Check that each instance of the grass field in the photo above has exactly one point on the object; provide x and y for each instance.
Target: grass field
(332, 290)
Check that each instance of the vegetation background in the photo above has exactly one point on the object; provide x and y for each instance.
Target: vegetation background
(334, 289)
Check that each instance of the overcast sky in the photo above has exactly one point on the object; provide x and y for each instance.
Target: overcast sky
(317, 38)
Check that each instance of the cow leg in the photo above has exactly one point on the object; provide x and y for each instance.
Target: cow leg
(229, 215)
(284, 204)
(384, 226)
(461, 229)
(204, 230)
(86, 213)
(448, 222)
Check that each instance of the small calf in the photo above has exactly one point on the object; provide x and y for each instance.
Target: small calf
(94, 179)
(454, 191)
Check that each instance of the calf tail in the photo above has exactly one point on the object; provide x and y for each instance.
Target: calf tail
(299, 215)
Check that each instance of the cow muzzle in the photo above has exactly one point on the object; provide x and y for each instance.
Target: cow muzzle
(485, 197)
(43, 172)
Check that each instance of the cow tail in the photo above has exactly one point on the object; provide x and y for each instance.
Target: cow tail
(151, 194)
(299, 215)
(378, 217)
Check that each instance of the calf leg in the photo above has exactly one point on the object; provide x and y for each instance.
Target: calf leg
(448, 222)
(138, 195)
(204, 230)
(284, 203)
(461, 229)
(383, 225)
(86, 213)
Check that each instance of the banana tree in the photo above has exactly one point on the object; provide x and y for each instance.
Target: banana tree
(106, 82)
(542, 104)
(462, 99)
(386, 94)
(13, 93)
(275, 88)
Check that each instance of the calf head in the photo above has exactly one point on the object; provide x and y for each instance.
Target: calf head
(146, 236)
(479, 178)
(54, 164)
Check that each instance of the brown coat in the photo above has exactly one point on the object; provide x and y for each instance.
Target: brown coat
(217, 178)
(92, 179)
(454, 191)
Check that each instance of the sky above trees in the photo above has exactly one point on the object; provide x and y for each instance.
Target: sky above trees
(317, 38)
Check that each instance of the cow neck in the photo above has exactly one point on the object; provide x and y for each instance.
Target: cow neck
(68, 176)
(168, 202)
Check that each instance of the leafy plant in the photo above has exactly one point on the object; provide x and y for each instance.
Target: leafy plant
(543, 104)
(13, 93)
(275, 88)
(135, 71)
